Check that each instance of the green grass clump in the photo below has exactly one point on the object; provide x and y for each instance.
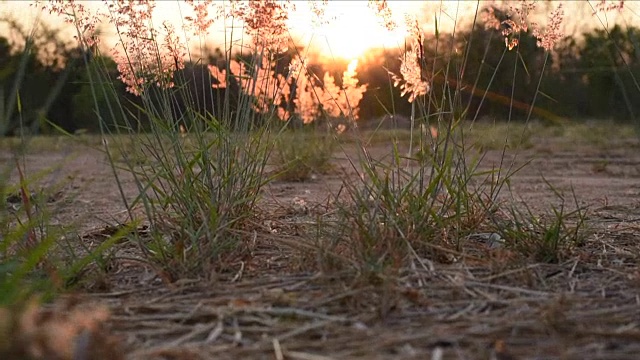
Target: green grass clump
(199, 199)
(199, 177)
(298, 156)
(548, 238)
(409, 208)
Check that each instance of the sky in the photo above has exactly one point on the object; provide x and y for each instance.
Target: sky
(354, 28)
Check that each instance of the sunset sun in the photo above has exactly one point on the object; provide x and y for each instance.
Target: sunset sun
(350, 28)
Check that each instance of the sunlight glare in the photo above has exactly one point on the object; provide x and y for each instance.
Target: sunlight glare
(352, 28)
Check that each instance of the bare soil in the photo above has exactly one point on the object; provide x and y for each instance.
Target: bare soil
(272, 306)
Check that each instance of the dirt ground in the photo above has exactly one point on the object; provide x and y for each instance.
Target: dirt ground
(587, 307)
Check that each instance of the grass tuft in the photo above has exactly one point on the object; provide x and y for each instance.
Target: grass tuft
(547, 238)
(403, 209)
(302, 156)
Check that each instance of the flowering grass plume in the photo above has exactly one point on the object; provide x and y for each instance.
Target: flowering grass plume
(513, 25)
(144, 56)
(383, 12)
(140, 60)
(67, 330)
(200, 23)
(411, 79)
(265, 21)
(305, 99)
(517, 22)
(318, 9)
(72, 12)
(608, 5)
(299, 88)
(343, 101)
(553, 32)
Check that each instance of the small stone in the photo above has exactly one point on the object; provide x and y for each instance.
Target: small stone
(495, 241)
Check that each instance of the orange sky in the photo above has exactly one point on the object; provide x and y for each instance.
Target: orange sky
(354, 28)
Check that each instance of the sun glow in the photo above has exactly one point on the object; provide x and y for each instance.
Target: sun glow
(351, 28)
